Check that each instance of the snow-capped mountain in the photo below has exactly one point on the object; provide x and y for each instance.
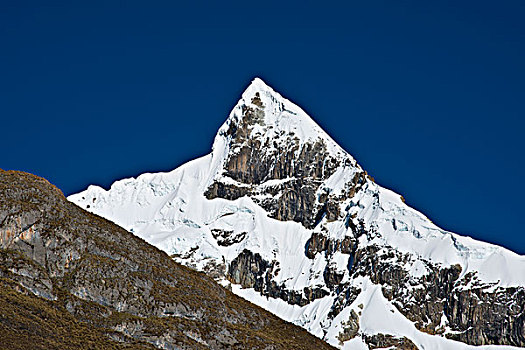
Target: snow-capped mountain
(289, 218)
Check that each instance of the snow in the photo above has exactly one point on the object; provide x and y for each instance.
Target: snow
(170, 211)
(416, 234)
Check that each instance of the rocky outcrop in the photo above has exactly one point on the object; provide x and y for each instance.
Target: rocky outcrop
(254, 161)
(487, 317)
(54, 255)
(252, 271)
(478, 313)
(320, 242)
(226, 191)
(253, 164)
(227, 238)
(248, 270)
(387, 341)
(350, 328)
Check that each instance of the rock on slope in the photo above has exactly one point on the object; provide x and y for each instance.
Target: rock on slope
(279, 210)
(70, 279)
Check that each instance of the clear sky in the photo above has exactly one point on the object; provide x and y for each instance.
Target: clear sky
(427, 95)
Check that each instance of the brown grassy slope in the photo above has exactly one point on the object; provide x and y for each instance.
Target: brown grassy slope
(30, 322)
(113, 283)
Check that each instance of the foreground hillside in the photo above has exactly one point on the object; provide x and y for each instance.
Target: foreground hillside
(70, 279)
(290, 219)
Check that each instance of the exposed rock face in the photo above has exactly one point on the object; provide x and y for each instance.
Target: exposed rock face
(248, 270)
(227, 238)
(304, 166)
(386, 341)
(320, 243)
(251, 271)
(113, 285)
(479, 315)
(31, 322)
(350, 328)
(251, 164)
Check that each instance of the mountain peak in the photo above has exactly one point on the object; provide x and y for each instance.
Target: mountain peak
(264, 96)
(258, 85)
(283, 213)
(264, 114)
(258, 92)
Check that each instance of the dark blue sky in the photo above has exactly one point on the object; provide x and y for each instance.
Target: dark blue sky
(427, 95)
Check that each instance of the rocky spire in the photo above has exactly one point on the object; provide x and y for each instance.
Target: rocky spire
(268, 139)
(263, 114)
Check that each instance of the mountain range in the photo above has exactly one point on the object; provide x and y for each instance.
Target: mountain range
(283, 216)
